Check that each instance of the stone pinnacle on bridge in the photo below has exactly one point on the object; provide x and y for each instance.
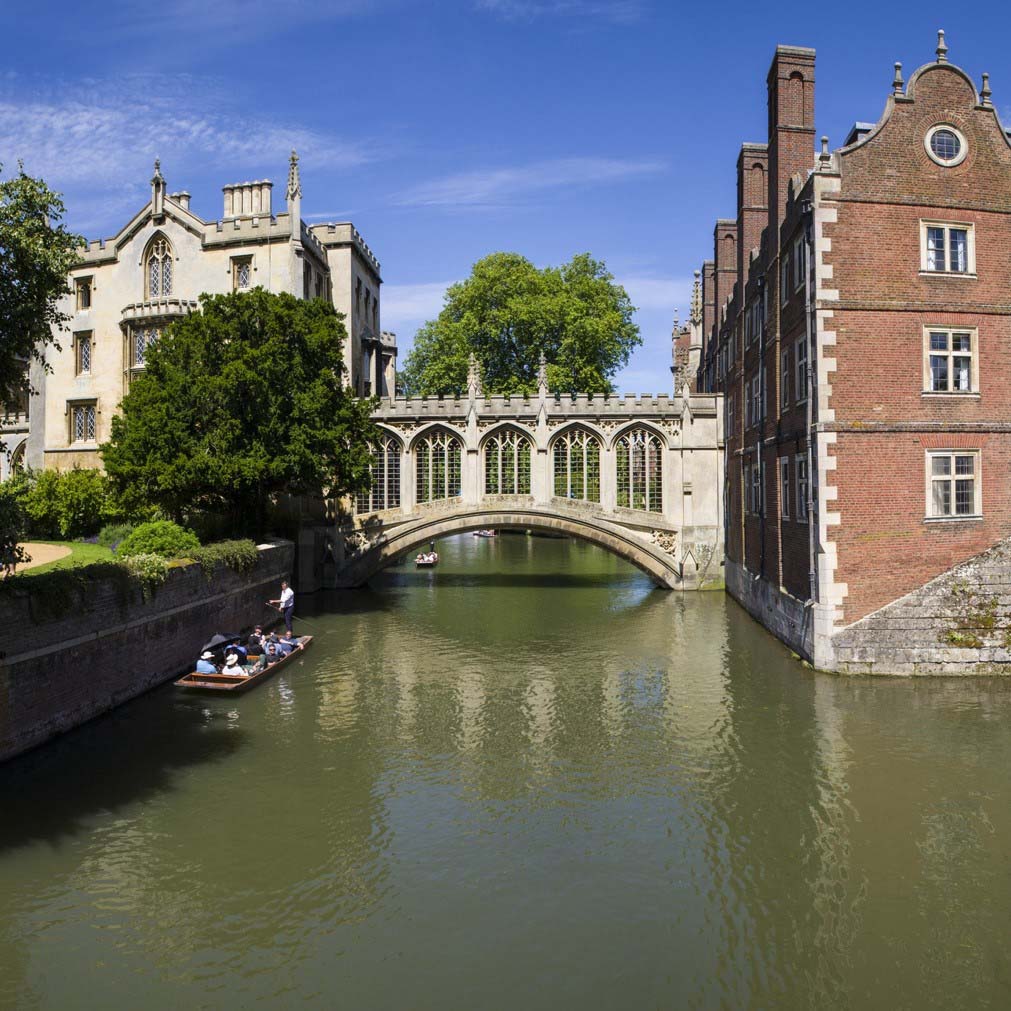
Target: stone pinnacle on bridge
(475, 388)
(542, 376)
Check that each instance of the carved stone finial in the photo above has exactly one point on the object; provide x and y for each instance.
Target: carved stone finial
(985, 93)
(942, 49)
(294, 182)
(157, 168)
(542, 375)
(474, 387)
(825, 158)
(695, 317)
(897, 80)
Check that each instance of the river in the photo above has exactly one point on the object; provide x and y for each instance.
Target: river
(525, 779)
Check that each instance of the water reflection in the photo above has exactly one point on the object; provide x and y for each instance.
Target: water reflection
(524, 779)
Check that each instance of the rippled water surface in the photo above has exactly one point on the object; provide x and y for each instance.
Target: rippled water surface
(524, 780)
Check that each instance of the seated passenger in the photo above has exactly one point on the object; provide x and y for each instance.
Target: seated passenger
(255, 642)
(238, 650)
(232, 665)
(287, 644)
(273, 654)
(205, 665)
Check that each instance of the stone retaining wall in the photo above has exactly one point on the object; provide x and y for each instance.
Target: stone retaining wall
(959, 623)
(109, 645)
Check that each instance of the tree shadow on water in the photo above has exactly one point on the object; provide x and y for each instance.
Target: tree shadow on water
(126, 756)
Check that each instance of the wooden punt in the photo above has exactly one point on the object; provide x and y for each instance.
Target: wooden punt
(239, 682)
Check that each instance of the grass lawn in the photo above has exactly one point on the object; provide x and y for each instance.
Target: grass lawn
(81, 553)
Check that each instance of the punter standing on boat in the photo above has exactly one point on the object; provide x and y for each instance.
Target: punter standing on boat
(285, 604)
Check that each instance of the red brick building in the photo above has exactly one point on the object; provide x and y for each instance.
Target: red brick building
(857, 317)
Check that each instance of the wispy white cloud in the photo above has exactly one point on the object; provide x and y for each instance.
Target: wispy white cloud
(98, 139)
(407, 306)
(614, 11)
(499, 186)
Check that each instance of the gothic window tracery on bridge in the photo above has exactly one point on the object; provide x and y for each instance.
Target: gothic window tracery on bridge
(507, 464)
(437, 459)
(158, 268)
(640, 471)
(576, 459)
(384, 492)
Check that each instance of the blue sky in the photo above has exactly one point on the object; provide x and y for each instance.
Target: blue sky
(449, 130)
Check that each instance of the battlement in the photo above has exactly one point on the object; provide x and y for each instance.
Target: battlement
(576, 405)
(344, 233)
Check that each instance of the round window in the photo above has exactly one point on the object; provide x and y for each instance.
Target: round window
(945, 145)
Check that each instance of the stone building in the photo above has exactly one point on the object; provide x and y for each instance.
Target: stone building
(857, 316)
(127, 289)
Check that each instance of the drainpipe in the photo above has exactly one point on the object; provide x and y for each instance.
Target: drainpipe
(809, 331)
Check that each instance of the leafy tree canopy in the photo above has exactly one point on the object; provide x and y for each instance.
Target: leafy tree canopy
(238, 403)
(508, 311)
(36, 252)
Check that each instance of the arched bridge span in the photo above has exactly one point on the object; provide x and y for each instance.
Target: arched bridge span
(648, 556)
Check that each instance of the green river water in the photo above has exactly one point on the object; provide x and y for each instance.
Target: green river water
(523, 780)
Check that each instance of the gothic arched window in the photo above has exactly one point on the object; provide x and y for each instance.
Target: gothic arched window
(640, 471)
(17, 459)
(385, 490)
(577, 466)
(507, 464)
(437, 466)
(158, 268)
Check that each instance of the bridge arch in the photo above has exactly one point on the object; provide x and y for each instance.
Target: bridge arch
(407, 538)
(431, 429)
(633, 426)
(497, 430)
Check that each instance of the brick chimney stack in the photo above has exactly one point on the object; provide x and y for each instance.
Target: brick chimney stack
(791, 128)
(752, 206)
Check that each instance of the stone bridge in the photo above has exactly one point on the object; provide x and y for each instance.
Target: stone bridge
(640, 476)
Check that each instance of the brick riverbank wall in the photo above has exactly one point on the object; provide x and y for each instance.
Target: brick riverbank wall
(959, 623)
(110, 645)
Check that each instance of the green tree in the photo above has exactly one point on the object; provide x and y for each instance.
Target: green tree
(12, 528)
(239, 403)
(36, 252)
(508, 311)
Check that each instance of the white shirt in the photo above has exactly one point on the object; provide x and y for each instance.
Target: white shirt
(287, 597)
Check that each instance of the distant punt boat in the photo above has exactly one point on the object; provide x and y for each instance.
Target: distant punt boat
(239, 682)
(486, 533)
(426, 560)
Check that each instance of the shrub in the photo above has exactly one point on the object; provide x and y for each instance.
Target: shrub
(150, 569)
(112, 533)
(12, 528)
(240, 556)
(67, 505)
(161, 537)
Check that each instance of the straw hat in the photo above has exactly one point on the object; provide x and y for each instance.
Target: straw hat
(207, 656)
(231, 660)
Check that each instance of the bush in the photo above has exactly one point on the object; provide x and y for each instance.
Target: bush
(163, 538)
(240, 556)
(150, 569)
(12, 528)
(112, 533)
(67, 505)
